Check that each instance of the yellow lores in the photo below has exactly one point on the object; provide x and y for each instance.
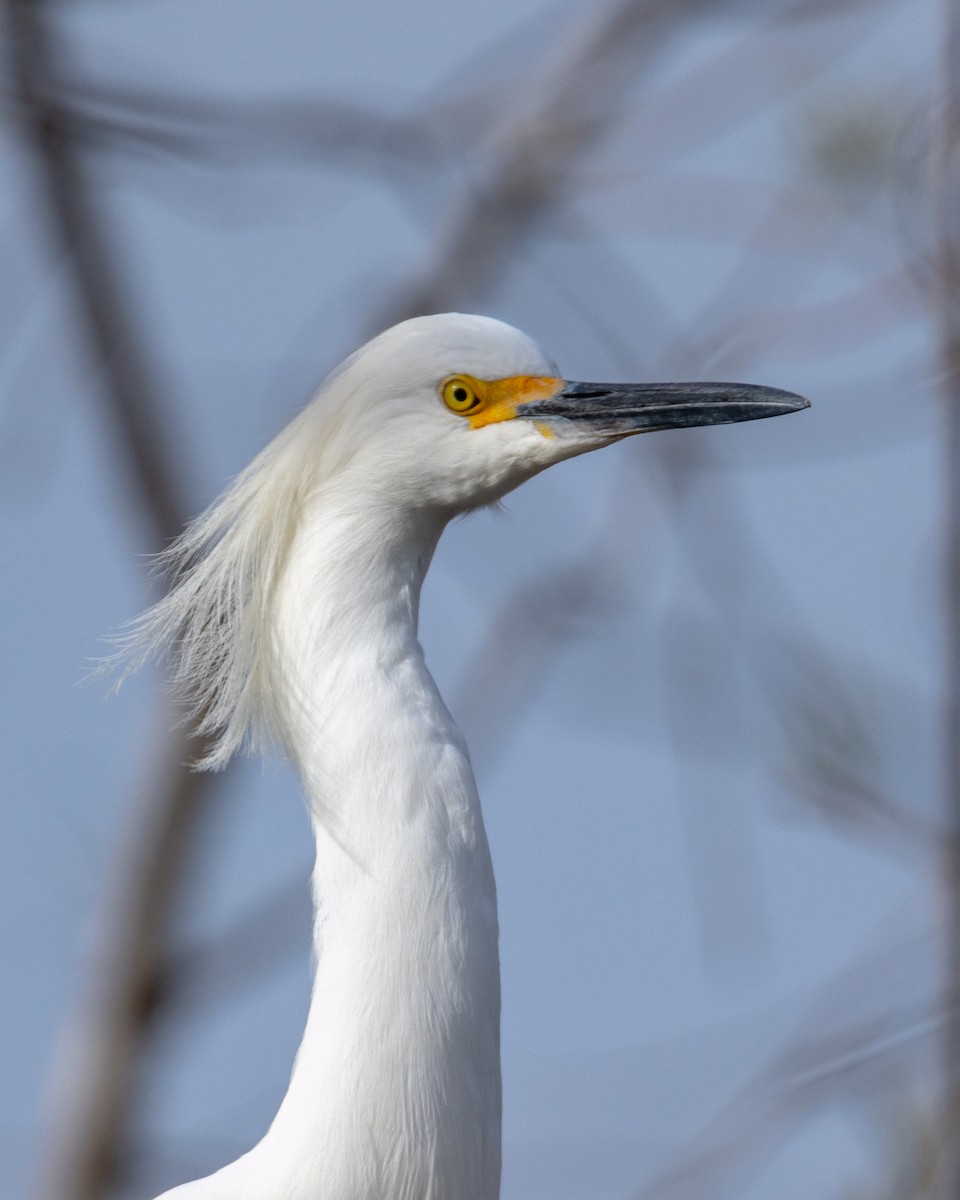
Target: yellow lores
(486, 401)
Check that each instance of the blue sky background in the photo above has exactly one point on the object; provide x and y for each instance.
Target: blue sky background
(763, 619)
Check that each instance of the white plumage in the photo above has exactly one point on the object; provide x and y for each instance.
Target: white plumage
(294, 619)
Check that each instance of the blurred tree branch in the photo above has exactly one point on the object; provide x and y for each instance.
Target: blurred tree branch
(948, 204)
(98, 1062)
(526, 163)
(850, 1045)
(228, 131)
(95, 1077)
(78, 228)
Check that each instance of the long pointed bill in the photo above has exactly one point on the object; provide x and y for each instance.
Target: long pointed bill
(619, 409)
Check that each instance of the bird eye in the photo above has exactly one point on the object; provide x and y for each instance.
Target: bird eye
(460, 395)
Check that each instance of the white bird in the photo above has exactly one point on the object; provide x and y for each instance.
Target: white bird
(294, 619)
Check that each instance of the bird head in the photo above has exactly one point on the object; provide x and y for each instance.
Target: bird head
(453, 411)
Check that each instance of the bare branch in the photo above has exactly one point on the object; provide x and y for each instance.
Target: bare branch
(78, 230)
(96, 1077)
(948, 199)
(229, 131)
(266, 935)
(96, 1066)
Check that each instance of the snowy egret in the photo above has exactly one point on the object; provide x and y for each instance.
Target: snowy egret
(293, 618)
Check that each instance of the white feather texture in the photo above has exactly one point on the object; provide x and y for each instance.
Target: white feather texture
(216, 618)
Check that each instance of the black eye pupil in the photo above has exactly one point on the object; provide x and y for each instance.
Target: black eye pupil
(460, 394)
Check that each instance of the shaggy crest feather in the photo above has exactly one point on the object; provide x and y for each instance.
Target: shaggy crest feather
(216, 619)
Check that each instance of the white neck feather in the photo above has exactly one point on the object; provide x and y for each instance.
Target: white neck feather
(395, 1094)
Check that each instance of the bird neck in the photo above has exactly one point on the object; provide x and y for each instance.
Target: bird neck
(396, 1087)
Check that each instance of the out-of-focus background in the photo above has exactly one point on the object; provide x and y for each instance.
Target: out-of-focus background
(709, 677)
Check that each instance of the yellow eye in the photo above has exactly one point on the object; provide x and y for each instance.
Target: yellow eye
(460, 395)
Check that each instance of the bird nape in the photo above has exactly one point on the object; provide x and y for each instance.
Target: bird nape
(293, 618)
